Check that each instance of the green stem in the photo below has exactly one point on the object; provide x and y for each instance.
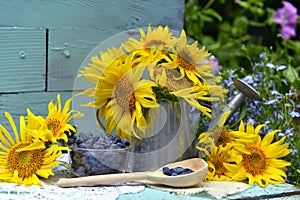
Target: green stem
(209, 4)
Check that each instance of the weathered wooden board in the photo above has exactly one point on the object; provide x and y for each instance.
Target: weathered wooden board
(67, 50)
(16, 104)
(61, 35)
(274, 192)
(77, 26)
(22, 59)
(113, 15)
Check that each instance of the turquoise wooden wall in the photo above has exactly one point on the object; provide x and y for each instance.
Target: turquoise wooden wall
(43, 43)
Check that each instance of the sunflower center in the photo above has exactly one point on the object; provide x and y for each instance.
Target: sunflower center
(223, 139)
(174, 81)
(218, 163)
(155, 44)
(185, 63)
(54, 125)
(124, 94)
(256, 162)
(25, 162)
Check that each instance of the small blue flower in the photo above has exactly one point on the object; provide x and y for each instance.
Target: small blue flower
(294, 152)
(288, 132)
(252, 121)
(290, 93)
(270, 120)
(254, 107)
(284, 81)
(275, 92)
(278, 115)
(248, 79)
(262, 55)
(270, 65)
(281, 67)
(258, 76)
(294, 113)
(267, 129)
(256, 64)
(271, 102)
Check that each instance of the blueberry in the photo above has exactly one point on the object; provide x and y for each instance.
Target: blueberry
(114, 146)
(98, 145)
(85, 136)
(174, 173)
(125, 142)
(116, 140)
(78, 141)
(178, 170)
(81, 145)
(89, 143)
(167, 171)
(71, 141)
(101, 139)
(121, 145)
(187, 171)
(98, 162)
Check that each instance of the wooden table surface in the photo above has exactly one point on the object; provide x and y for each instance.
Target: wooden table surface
(276, 192)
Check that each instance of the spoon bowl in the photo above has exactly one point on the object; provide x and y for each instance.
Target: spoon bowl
(198, 165)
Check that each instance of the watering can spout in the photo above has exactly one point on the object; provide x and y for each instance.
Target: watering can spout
(245, 91)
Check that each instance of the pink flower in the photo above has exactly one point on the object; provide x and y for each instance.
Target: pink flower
(287, 18)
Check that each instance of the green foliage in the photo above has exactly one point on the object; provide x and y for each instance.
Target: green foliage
(226, 28)
(237, 32)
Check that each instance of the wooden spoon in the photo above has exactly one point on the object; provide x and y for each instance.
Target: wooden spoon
(198, 165)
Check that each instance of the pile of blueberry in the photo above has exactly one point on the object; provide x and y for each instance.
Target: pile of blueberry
(92, 141)
(176, 171)
(97, 154)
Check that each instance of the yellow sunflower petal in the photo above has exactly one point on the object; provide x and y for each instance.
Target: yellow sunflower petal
(45, 173)
(13, 126)
(35, 145)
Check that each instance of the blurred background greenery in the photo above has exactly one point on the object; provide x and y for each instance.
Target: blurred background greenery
(246, 41)
(237, 31)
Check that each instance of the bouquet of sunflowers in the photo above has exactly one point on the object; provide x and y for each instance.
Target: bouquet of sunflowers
(143, 72)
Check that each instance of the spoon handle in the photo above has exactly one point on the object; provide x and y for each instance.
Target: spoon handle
(102, 179)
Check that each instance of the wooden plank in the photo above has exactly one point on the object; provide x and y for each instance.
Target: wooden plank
(67, 50)
(100, 14)
(77, 26)
(22, 59)
(16, 104)
(281, 191)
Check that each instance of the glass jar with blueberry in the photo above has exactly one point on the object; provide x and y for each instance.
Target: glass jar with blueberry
(98, 154)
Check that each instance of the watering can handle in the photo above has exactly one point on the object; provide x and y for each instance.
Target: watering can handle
(99, 123)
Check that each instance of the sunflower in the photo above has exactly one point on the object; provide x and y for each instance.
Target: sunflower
(56, 124)
(238, 138)
(158, 40)
(263, 164)
(95, 69)
(180, 87)
(22, 158)
(122, 97)
(191, 60)
(208, 139)
(221, 162)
